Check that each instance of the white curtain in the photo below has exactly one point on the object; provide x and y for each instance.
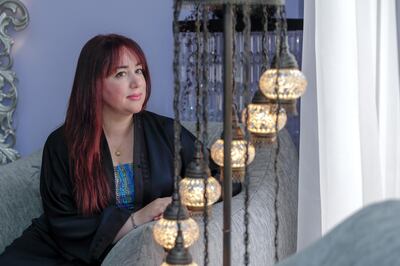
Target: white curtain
(350, 117)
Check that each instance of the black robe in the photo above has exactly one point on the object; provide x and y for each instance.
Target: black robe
(62, 236)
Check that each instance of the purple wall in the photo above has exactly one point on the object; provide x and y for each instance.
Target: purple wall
(294, 8)
(45, 55)
(46, 52)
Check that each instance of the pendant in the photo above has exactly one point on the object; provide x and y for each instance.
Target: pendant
(117, 153)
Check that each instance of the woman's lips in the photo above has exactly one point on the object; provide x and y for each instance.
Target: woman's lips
(135, 97)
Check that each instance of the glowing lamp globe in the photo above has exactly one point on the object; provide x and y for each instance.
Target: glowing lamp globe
(264, 119)
(192, 192)
(288, 85)
(238, 156)
(283, 81)
(179, 255)
(166, 229)
(240, 150)
(191, 187)
(165, 232)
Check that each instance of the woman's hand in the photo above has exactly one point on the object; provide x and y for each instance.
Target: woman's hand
(152, 211)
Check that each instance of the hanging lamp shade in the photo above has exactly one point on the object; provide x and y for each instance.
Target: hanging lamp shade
(191, 187)
(179, 255)
(263, 118)
(239, 147)
(283, 81)
(166, 229)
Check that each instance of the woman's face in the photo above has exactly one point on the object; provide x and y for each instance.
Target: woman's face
(124, 91)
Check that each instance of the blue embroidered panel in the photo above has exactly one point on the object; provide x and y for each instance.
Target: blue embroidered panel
(124, 185)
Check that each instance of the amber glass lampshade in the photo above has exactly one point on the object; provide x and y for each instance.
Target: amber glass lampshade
(192, 192)
(179, 255)
(283, 81)
(239, 146)
(191, 187)
(263, 116)
(291, 84)
(238, 154)
(166, 229)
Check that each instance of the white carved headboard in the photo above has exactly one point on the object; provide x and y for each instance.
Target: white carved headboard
(12, 14)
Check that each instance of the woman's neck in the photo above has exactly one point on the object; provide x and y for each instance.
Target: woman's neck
(119, 135)
(117, 126)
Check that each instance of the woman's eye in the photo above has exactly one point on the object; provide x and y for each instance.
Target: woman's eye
(139, 71)
(120, 74)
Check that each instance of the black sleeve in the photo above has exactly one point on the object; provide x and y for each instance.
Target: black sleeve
(83, 237)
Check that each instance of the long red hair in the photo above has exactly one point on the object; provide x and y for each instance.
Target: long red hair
(83, 123)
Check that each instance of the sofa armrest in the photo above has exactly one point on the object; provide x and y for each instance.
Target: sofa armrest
(20, 196)
(136, 248)
(139, 248)
(368, 237)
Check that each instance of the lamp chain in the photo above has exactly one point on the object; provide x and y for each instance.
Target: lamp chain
(278, 47)
(246, 76)
(188, 36)
(198, 73)
(200, 79)
(265, 39)
(177, 126)
(205, 127)
(234, 65)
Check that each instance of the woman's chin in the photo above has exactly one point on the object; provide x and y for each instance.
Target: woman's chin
(135, 110)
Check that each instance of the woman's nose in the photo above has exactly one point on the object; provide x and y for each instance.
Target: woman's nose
(135, 81)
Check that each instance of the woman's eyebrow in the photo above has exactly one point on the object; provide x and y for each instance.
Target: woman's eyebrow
(118, 67)
(124, 66)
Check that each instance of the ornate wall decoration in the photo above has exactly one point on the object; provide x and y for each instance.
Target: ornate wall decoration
(12, 14)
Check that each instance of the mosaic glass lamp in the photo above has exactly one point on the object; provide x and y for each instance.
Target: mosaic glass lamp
(166, 229)
(283, 81)
(179, 255)
(239, 147)
(264, 119)
(191, 187)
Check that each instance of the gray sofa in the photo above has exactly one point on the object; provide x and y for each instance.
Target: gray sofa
(21, 202)
(370, 237)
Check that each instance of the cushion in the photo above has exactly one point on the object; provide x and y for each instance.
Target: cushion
(370, 237)
(19, 181)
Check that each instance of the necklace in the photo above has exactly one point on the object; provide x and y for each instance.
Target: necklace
(119, 150)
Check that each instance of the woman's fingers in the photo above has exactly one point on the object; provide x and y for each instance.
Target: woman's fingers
(157, 217)
(156, 208)
(164, 204)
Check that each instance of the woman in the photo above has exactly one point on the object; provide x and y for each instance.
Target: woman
(109, 168)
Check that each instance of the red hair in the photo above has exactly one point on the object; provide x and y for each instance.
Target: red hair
(84, 119)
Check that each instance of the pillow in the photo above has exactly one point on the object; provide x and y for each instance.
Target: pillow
(20, 196)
